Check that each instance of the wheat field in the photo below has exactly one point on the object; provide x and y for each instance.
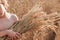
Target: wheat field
(48, 15)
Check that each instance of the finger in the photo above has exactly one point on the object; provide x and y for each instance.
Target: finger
(12, 38)
(18, 34)
(9, 38)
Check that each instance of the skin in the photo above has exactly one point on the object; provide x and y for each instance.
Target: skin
(6, 21)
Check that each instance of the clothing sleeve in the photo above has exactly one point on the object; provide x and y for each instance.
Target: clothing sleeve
(14, 17)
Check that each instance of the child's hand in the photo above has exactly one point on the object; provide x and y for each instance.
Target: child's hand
(13, 35)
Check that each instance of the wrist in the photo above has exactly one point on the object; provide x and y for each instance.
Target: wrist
(7, 31)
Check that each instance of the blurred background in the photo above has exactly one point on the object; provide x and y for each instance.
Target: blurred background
(22, 7)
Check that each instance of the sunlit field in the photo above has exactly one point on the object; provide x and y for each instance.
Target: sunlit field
(43, 15)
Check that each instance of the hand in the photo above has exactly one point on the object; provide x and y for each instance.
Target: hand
(13, 35)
